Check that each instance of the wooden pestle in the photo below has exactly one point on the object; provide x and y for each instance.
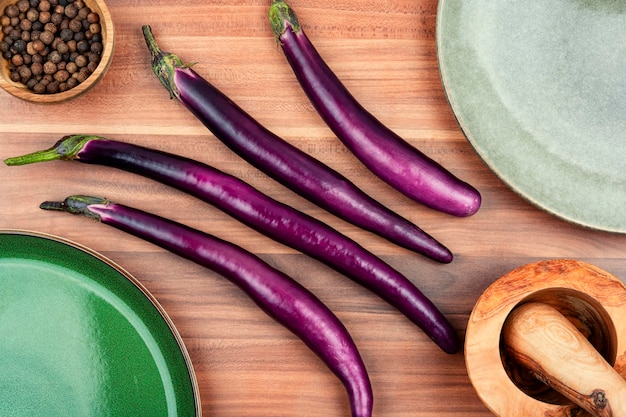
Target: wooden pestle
(539, 337)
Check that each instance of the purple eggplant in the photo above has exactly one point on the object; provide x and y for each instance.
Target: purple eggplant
(381, 150)
(284, 162)
(264, 214)
(282, 298)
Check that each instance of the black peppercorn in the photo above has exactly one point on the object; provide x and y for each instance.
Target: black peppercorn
(12, 10)
(36, 68)
(39, 88)
(55, 57)
(83, 47)
(50, 27)
(96, 50)
(52, 87)
(15, 34)
(71, 11)
(49, 67)
(61, 76)
(66, 34)
(71, 67)
(72, 82)
(26, 24)
(25, 72)
(19, 46)
(75, 25)
(23, 6)
(95, 28)
(62, 47)
(82, 13)
(44, 17)
(46, 37)
(30, 83)
(17, 60)
(37, 59)
(32, 14)
(81, 61)
(56, 18)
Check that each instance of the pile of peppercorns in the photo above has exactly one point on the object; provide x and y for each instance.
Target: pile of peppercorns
(51, 45)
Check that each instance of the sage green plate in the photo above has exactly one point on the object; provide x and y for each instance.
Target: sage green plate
(79, 336)
(539, 89)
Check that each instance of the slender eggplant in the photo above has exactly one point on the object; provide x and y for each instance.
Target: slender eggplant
(282, 161)
(381, 150)
(264, 214)
(278, 295)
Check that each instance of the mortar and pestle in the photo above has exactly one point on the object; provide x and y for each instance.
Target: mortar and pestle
(549, 339)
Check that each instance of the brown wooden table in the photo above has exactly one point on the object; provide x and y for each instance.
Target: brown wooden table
(246, 364)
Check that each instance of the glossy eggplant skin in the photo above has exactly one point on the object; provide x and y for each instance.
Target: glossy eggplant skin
(380, 149)
(284, 162)
(264, 214)
(278, 295)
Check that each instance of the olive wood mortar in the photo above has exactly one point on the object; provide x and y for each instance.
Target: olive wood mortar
(549, 339)
(108, 42)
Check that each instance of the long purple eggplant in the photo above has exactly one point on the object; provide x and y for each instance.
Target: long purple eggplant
(264, 214)
(381, 150)
(282, 161)
(282, 298)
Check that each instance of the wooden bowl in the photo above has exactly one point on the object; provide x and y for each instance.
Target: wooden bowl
(590, 298)
(108, 41)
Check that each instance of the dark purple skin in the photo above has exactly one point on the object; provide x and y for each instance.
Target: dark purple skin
(282, 298)
(284, 162)
(381, 150)
(264, 214)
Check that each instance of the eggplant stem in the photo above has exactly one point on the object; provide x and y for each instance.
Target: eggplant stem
(76, 204)
(52, 205)
(164, 64)
(281, 15)
(67, 148)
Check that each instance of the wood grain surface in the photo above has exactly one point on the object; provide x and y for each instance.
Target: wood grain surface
(246, 364)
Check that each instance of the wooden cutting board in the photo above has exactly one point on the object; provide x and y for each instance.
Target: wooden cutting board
(246, 364)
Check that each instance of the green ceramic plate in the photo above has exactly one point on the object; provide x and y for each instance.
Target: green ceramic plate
(79, 336)
(539, 89)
